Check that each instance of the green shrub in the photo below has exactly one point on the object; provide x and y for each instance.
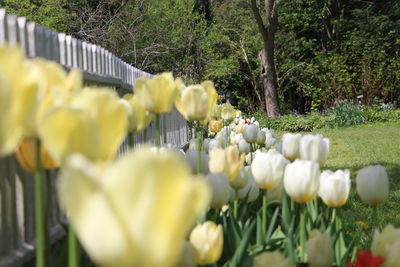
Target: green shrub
(346, 114)
(342, 115)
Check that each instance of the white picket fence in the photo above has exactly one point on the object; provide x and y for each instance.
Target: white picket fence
(99, 66)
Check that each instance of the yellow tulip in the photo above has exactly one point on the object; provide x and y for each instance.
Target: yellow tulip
(195, 102)
(215, 125)
(158, 93)
(228, 113)
(216, 111)
(125, 215)
(385, 240)
(140, 117)
(207, 240)
(26, 156)
(319, 249)
(271, 259)
(94, 124)
(55, 89)
(18, 93)
(226, 160)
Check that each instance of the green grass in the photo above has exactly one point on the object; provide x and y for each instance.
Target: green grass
(355, 148)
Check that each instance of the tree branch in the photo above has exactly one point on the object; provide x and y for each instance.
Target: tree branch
(259, 21)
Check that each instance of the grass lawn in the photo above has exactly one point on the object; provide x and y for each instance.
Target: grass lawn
(355, 148)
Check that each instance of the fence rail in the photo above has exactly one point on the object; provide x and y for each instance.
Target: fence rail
(99, 66)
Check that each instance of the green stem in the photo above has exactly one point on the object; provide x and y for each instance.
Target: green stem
(73, 248)
(375, 217)
(131, 140)
(158, 135)
(251, 152)
(145, 135)
(264, 216)
(40, 220)
(235, 208)
(302, 233)
(199, 158)
(340, 240)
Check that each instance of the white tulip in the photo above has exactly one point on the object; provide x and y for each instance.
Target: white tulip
(301, 180)
(314, 148)
(191, 159)
(334, 187)
(244, 147)
(193, 144)
(372, 184)
(220, 188)
(271, 132)
(250, 133)
(268, 169)
(290, 146)
(213, 144)
(269, 140)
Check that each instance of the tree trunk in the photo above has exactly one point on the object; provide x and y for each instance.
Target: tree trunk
(269, 78)
(268, 72)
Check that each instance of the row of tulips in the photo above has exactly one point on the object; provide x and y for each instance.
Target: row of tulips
(236, 197)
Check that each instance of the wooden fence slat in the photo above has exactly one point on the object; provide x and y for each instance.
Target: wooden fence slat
(22, 34)
(30, 29)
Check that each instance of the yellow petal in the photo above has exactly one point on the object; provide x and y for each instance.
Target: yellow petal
(140, 186)
(97, 226)
(66, 130)
(110, 115)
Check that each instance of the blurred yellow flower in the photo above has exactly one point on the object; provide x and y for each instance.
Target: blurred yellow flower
(382, 241)
(271, 259)
(18, 94)
(125, 215)
(140, 117)
(158, 93)
(207, 240)
(55, 88)
(195, 102)
(228, 112)
(94, 124)
(226, 160)
(26, 156)
(216, 111)
(362, 224)
(319, 249)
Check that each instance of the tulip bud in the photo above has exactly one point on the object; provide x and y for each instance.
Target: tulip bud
(251, 133)
(290, 146)
(261, 138)
(372, 184)
(301, 180)
(241, 180)
(244, 147)
(314, 148)
(207, 239)
(334, 187)
(221, 189)
(319, 249)
(228, 112)
(270, 141)
(206, 144)
(271, 259)
(213, 144)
